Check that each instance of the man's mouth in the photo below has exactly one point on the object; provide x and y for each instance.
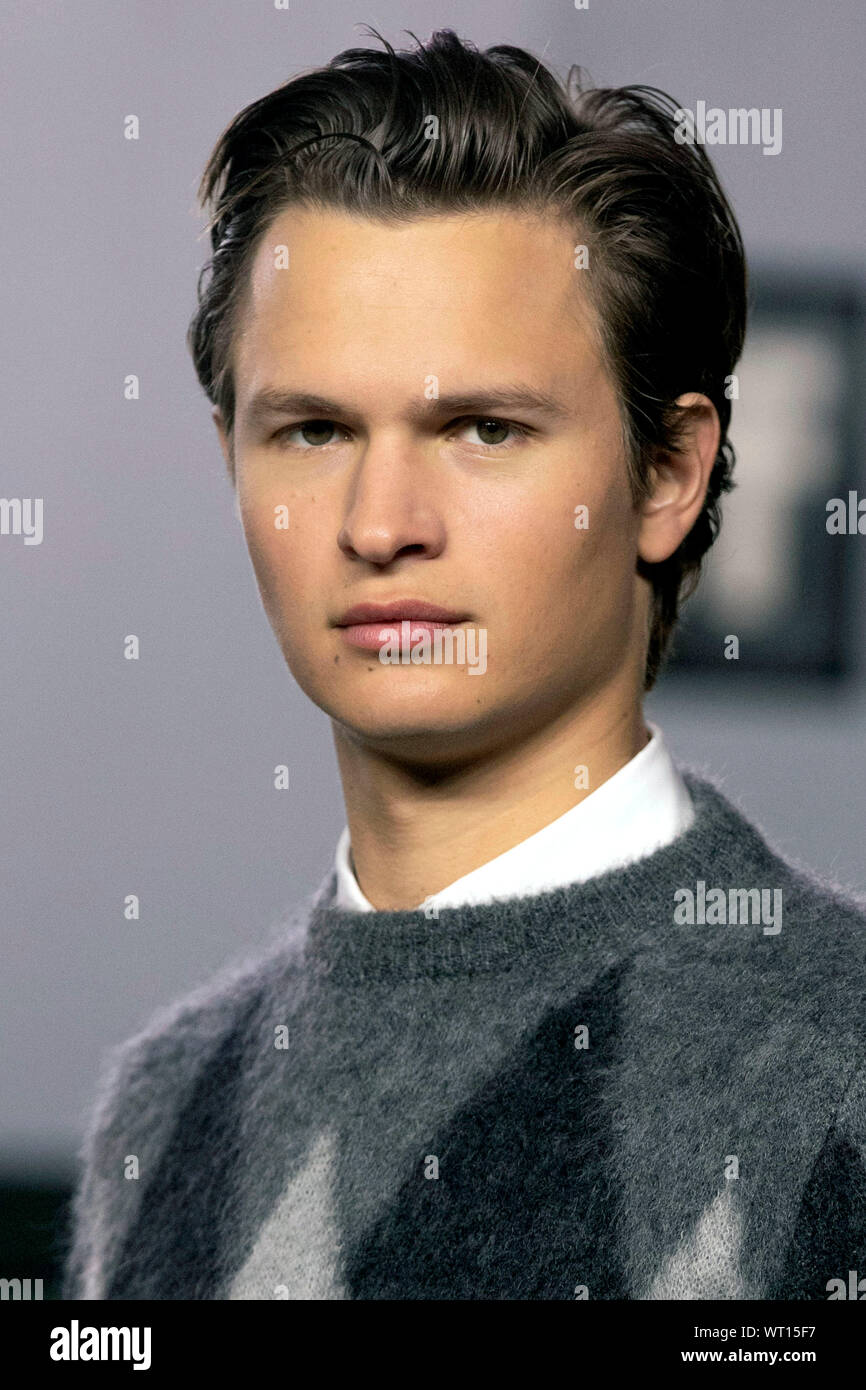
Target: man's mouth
(370, 625)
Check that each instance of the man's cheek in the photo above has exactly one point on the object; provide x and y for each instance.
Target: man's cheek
(271, 564)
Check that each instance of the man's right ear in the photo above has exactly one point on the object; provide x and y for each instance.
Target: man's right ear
(226, 442)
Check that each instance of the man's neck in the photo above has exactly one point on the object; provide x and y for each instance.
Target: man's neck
(412, 833)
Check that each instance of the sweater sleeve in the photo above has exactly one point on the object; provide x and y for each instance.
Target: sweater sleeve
(140, 1089)
(826, 1257)
(104, 1201)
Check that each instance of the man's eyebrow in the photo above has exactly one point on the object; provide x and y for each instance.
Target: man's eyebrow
(270, 402)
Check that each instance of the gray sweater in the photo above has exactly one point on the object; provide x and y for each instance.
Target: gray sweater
(650, 1085)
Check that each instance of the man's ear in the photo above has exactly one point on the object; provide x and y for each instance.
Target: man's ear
(226, 442)
(678, 481)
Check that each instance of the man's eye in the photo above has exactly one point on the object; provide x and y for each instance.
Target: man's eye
(314, 432)
(490, 425)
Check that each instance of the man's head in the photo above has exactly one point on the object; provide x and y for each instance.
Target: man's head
(401, 236)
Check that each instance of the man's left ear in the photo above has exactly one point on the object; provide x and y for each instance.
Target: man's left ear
(679, 481)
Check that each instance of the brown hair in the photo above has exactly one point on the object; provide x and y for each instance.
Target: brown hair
(668, 275)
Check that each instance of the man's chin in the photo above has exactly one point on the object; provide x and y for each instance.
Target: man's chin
(424, 732)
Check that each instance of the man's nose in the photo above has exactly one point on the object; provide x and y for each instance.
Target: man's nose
(391, 506)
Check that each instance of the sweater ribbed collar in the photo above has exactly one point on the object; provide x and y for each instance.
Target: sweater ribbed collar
(615, 909)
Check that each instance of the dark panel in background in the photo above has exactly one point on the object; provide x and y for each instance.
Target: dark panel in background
(776, 578)
(33, 1231)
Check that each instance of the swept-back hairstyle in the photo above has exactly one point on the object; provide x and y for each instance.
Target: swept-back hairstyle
(666, 267)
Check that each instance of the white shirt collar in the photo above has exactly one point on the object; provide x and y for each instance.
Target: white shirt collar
(643, 806)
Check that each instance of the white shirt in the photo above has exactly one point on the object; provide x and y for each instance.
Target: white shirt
(643, 806)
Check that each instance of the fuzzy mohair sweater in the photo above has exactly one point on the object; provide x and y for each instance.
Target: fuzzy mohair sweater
(565, 1096)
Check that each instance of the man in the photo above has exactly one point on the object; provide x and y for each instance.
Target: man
(559, 1024)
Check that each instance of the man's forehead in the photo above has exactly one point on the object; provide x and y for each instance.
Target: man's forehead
(331, 288)
(534, 251)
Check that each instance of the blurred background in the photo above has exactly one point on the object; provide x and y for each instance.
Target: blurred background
(155, 777)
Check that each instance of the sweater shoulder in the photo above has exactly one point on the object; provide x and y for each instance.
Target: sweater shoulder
(169, 1049)
(815, 944)
(814, 896)
(141, 1087)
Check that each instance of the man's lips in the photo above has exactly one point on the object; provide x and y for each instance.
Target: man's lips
(370, 625)
(396, 611)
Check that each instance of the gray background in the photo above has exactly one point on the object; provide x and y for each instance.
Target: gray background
(155, 776)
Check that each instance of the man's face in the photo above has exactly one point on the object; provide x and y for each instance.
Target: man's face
(413, 479)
